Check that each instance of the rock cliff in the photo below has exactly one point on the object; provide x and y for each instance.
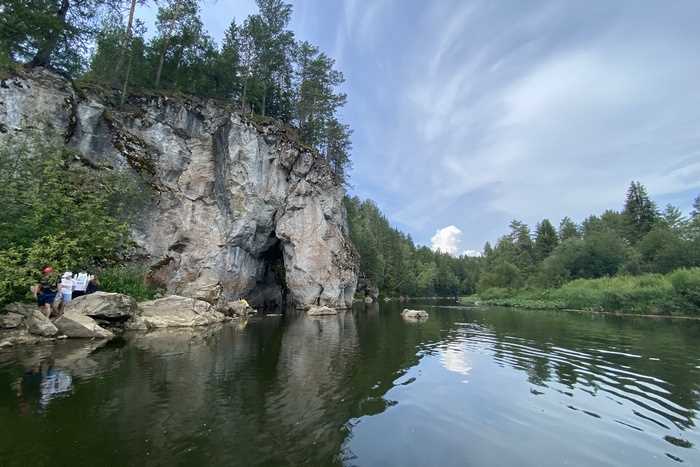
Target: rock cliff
(239, 209)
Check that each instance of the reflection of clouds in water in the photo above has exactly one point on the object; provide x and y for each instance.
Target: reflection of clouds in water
(455, 359)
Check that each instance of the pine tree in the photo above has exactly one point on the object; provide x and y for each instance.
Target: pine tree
(568, 229)
(695, 213)
(546, 240)
(640, 212)
(673, 218)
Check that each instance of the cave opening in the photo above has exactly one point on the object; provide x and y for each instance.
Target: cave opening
(270, 291)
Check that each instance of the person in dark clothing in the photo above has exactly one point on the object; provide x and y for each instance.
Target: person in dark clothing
(93, 285)
(45, 291)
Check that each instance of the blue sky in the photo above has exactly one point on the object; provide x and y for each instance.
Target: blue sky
(467, 114)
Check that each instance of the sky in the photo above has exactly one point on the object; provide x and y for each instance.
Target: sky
(468, 114)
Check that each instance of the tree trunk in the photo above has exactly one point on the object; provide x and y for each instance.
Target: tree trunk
(245, 88)
(43, 54)
(126, 77)
(160, 63)
(127, 39)
(264, 102)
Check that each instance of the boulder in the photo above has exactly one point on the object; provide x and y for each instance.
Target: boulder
(74, 324)
(239, 308)
(11, 320)
(417, 315)
(19, 336)
(175, 311)
(321, 311)
(369, 300)
(104, 305)
(24, 309)
(37, 323)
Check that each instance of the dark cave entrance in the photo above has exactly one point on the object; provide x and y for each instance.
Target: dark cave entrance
(270, 291)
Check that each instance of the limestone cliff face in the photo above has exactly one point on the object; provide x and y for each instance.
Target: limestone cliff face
(238, 210)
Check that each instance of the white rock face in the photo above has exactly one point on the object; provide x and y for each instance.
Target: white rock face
(104, 305)
(175, 311)
(75, 324)
(236, 204)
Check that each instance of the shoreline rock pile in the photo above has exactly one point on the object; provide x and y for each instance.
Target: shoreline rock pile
(102, 314)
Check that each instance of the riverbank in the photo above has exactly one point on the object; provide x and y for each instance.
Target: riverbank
(673, 294)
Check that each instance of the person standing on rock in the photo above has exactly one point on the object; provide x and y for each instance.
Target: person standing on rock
(81, 284)
(66, 287)
(45, 291)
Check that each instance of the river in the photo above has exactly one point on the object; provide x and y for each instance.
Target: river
(469, 387)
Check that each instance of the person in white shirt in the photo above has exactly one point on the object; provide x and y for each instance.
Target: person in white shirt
(80, 284)
(66, 286)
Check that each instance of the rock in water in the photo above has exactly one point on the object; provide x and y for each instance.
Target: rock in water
(321, 311)
(75, 324)
(104, 305)
(369, 300)
(414, 315)
(174, 311)
(239, 308)
(238, 208)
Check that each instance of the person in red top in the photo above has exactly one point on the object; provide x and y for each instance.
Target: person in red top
(45, 291)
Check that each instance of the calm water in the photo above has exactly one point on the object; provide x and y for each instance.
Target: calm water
(470, 387)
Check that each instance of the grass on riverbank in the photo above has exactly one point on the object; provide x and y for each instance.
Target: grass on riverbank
(676, 293)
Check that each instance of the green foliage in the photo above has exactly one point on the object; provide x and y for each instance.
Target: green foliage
(59, 212)
(640, 212)
(686, 283)
(129, 280)
(390, 260)
(674, 293)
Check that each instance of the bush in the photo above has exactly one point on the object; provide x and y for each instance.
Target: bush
(129, 280)
(686, 284)
(58, 211)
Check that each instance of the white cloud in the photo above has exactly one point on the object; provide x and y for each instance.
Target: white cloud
(447, 240)
(472, 253)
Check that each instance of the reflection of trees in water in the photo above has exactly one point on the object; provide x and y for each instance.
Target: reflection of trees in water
(273, 393)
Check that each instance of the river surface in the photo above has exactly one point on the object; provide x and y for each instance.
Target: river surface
(469, 387)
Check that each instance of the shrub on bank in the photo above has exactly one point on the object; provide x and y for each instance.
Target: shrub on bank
(674, 293)
(129, 280)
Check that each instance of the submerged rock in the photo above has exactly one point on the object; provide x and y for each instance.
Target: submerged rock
(238, 207)
(175, 311)
(415, 315)
(104, 305)
(321, 311)
(75, 324)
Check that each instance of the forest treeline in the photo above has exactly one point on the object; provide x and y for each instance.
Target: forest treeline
(259, 66)
(641, 238)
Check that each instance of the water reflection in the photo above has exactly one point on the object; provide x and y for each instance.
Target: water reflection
(364, 388)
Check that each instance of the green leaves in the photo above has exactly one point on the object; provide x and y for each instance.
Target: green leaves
(60, 213)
